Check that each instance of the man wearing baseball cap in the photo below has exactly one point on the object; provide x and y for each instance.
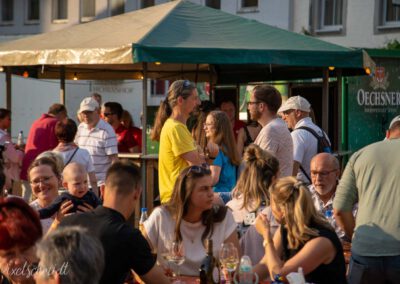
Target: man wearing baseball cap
(98, 137)
(394, 128)
(296, 113)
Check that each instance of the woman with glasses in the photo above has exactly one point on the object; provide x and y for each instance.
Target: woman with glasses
(45, 180)
(20, 229)
(190, 217)
(177, 147)
(305, 239)
(219, 131)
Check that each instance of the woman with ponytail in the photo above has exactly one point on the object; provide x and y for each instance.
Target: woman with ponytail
(305, 238)
(177, 147)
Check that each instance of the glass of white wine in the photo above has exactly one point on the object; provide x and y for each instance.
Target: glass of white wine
(229, 259)
(165, 262)
(177, 256)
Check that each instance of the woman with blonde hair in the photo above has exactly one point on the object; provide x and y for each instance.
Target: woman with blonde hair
(251, 193)
(224, 167)
(177, 146)
(305, 238)
(190, 217)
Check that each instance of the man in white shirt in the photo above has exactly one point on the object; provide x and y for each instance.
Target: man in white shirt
(296, 112)
(274, 136)
(98, 137)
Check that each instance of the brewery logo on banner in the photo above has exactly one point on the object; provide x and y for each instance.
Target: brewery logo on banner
(379, 98)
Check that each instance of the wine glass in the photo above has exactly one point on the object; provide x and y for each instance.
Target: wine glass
(177, 256)
(229, 258)
(165, 262)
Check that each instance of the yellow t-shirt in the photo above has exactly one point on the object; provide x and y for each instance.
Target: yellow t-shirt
(175, 140)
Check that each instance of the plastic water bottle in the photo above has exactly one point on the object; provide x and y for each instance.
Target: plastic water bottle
(20, 139)
(245, 273)
(143, 218)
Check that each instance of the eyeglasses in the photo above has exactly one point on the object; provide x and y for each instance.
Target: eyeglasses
(45, 180)
(287, 112)
(203, 169)
(253, 103)
(108, 113)
(208, 124)
(322, 173)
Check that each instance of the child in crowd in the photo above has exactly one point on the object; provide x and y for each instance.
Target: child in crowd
(75, 181)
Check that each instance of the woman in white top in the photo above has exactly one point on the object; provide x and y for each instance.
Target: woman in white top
(191, 217)
(251, 192)
(65, 132)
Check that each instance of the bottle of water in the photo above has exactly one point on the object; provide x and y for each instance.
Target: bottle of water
(245, 273)
(143, 218)
(20, 139)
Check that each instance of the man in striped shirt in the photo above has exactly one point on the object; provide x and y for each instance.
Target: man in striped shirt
(98, 137)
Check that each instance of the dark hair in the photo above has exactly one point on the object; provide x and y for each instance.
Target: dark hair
(178, 205)
(45, 161)
(4, 113)
(269, 95)
(56, 109)
(179, 88)
(65, 130)
(123, 177)
(115, 108)
(19, 224)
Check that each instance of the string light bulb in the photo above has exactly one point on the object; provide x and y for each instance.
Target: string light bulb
(25, 74)
(1, 69)
(367, 70)
(331, 68)
(157, 63)
(75, 76)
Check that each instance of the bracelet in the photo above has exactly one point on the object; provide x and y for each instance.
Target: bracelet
(266, 243)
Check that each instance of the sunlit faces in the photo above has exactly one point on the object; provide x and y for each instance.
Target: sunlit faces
(209, 126)
(76, 183)
(90, 117)
(202, 195)
(289, 116)
(5, 123)
(191, 102)
(16, 263)
(323, 176)
(108, 115)
(253, 107)
(44, 183)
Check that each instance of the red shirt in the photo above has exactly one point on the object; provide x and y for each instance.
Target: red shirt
(41, 138)
(128, 138)
(237, 126)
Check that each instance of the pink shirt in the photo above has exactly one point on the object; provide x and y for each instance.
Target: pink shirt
(41, 138)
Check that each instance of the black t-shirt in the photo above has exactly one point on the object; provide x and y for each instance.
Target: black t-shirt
(331, 273)
(124, 246)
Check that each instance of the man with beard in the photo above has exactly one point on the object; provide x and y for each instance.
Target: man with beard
(274, 137)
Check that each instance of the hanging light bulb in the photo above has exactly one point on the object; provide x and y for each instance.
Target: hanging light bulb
(367, 70)
(25, 74)
(157, 63)
(1, 69)
(331, 68)
(75, 76)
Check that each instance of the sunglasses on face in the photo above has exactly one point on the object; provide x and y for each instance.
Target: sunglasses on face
(107, 114)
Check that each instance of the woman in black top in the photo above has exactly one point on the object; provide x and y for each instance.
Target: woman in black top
(305, 238)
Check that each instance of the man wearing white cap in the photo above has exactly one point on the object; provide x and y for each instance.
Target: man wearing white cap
(296, 112)
(394, 130)
(98, 137)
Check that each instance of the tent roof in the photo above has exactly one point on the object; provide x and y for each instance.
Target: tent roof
(189, 39)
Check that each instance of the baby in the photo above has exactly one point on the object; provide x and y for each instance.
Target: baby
(75, 181)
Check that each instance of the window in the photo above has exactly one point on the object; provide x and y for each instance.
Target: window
(7, 11)
(391, 13)
(331, 14)
(60, 10)
(158, 87)
(88, 10)
(146, 3)
(32, 11)
(216, 4)
(116, 7)
(249, 3)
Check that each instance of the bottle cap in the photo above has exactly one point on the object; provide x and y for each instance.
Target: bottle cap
(144, 209)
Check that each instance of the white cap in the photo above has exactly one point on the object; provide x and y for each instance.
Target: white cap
(394, 120)
(295, 102)
(88, 104)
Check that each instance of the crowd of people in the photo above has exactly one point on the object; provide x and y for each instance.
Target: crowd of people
(265, 187)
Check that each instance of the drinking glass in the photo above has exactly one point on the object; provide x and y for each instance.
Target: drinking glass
(229, 258)
(177, 256)
(165, 262)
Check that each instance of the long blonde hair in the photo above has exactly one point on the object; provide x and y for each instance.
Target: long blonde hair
(294, 200)
(254, 181)
(224, 136)
(179, 88)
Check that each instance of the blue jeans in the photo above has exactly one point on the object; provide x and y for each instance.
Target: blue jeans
(374, 269)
